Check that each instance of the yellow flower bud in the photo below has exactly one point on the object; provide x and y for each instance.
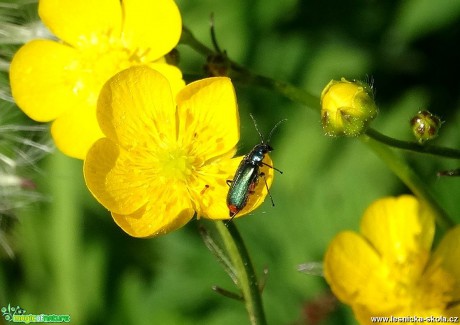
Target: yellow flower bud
(347, 108)
(425, 126)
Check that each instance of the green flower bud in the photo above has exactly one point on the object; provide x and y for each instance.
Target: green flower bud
(425, 126)
(347, 108)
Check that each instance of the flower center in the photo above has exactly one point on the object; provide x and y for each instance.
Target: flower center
(175, 164)
(425, 291)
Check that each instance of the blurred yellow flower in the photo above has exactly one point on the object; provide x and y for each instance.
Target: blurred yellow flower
(387, 270)
(165, 157)
(60, 80)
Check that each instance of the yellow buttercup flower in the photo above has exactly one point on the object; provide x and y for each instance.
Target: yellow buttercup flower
(165, 157)
(61, 80)
(388, 270)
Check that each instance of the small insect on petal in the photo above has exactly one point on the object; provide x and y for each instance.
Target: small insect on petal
(247, 174)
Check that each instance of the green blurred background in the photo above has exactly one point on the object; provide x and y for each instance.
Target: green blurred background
(70, 258)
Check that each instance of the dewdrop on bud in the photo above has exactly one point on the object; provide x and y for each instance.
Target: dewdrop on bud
(347, 108)
(425, 126)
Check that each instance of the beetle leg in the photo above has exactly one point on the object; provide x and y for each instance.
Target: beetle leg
(279, 171)
(268, 190)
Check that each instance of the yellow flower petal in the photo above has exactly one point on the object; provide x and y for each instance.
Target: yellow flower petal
(168, 211)
(153, 25)
(434, 289)
(172, 73)
(448, 252)
(76, 131)
(351, 267)
(136, 107)
(209, 115)
(81, 22)
(41, 80)
(211, 188)
(404, 228)
(113, 179)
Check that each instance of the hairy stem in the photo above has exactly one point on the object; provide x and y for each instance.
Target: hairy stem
(247, 279)
(413, 146)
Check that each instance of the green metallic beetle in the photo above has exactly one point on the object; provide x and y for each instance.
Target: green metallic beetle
(247, 175)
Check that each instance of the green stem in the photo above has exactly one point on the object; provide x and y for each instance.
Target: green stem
(245, 76)
(188, 38)
(247, 279)
(410, 178)
(413, 146)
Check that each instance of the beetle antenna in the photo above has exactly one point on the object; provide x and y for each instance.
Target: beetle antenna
(274, 128)
(257, 128)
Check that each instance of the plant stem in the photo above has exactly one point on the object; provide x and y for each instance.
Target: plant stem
(247, 279)
(245, 76)
(413, 146)
(408, 177)
(188, 38)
